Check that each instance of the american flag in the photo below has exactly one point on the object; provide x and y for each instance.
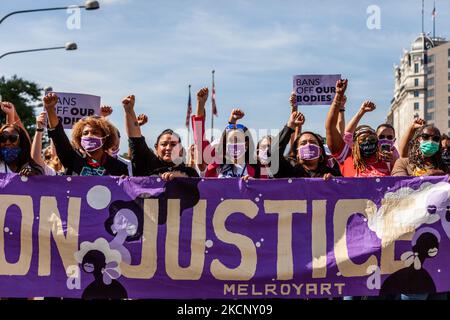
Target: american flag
(434, 13)
(213, 98)
(189, 109)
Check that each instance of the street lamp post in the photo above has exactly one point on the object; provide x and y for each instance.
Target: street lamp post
(69, 47)
(88, 5)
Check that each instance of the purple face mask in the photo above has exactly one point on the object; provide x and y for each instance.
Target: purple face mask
(386, 142)
(90, 144)
(236, 150)
(309, 152)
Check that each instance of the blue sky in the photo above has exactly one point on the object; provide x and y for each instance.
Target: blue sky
(154, 49)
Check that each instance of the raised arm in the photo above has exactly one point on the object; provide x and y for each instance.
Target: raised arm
(106, 111)
(294, 108)
(341, 118)
(367, 106)
(12, 117)
(64, 149)
(403, 145)
(235, 115)
(131, 122)
(202, 97)
(50, 101)
(335, 141)
(36, 146)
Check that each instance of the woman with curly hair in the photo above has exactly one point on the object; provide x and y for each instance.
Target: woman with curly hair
(91, 138)
(424, 155)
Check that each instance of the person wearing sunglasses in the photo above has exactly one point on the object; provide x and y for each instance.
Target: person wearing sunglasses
(424, 155)
(91, 138)
(363, 158)
(166, 162)
(15, 152)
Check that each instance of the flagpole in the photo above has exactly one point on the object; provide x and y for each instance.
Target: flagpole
(434, 20)
(423, 29)
(212, 113)
(189, 127)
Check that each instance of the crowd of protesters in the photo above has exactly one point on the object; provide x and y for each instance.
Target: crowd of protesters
(351, 149)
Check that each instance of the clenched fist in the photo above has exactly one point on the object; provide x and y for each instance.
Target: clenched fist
(50, 100)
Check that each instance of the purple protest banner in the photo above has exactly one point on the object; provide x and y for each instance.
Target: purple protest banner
(71, 107)
(105, 237)
(315, 89)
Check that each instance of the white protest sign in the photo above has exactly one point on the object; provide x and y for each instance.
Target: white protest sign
(71, 107)
(315, 89)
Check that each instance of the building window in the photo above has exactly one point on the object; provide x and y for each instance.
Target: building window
(449, 88)
(430, 104)
(449, 112)
(416, 93)
(449, 52)
(416, 82)
(416, 107)
(430, 93)
(429, 116)
(430, 70)
(430, 81)
(449, 63)
(448, 100)
(449, 123)
(431, 58)
(449, 76)
(416, 68)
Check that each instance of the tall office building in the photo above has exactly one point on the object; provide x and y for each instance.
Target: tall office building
(422, 85)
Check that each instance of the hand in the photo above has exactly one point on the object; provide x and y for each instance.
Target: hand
(50, 101)
(418, 123)
(327, 176)
(202, 96)
(8, 108)
(40, 120)
(105, 111)
(168, 176)
(435, 172)
(296, 119)
(26, 172)
(367, 106)
(293, 101)
(128, 103)
(247, 177)
(142, 119)
(341, 86)
(236, 114)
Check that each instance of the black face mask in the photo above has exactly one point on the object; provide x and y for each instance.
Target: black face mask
(368, 148)
(446, 157)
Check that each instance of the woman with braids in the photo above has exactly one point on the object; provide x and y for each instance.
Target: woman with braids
(424, 156)
(364, 158)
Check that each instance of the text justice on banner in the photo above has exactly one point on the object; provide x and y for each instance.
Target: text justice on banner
(107, 237)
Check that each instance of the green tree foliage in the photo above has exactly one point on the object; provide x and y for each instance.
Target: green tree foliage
(25, 95)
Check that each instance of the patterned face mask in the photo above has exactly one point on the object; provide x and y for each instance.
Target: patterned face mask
(92, 143)
(10, 154)
(309, 152)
